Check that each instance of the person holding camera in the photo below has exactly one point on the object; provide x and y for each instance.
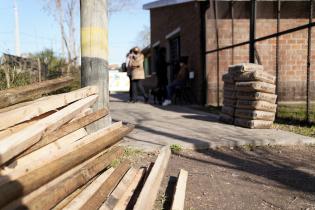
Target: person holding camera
(137, 74)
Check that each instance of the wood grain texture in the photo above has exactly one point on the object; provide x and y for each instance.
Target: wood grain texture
(179, 196)
(42, 106)
(30, 92)
(55, 194)
(47, 154)
(18, 142)
(151, 187)
(88, 192)
(41, 176)
(65, 130)
(22, 201)
(95, 202)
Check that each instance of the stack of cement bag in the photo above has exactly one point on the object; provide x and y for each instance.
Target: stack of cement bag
(229, 101)
(255, 105)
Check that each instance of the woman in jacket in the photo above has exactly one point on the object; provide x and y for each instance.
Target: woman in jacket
(137, 74)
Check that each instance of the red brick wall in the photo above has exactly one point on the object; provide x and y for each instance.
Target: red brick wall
(293, 55)
(186, 16)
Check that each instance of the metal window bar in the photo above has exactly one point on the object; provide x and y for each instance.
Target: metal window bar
(309, 52)
(276, 35)
(299, 28)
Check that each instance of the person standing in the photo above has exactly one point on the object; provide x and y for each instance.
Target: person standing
(137, 74)
(128, 69)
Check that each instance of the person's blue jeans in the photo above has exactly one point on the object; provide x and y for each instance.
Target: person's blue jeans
(171, 88)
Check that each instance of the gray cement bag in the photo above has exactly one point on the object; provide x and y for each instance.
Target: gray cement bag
(258, 124)
(257, 96)
(228, 78)
(245, 67)
(254, 114)
(256, 87)
(229, 86)
(256, 76)
(229, 102)
(226, 119)
(228, 110)
(229, 94)
(256, 105)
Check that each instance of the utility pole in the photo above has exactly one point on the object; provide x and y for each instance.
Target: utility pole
(17, 29)
(94, 53)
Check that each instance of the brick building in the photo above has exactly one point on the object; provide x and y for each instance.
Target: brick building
(196, 28)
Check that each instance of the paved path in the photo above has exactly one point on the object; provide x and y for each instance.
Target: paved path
(157, 126)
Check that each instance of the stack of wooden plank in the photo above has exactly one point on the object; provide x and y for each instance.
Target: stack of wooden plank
(255, 96)
(49, 161)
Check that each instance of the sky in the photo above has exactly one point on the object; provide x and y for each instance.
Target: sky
(39, 30)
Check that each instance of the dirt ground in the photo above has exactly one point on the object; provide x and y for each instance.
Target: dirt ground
(243, 178)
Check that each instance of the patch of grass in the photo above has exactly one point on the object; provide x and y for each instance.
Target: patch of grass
(176, 148)
(129, 153)
(132, 152)
(302, 129)
(295, 112)
(249, 147)
(162, 199)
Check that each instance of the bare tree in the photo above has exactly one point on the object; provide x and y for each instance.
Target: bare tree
(64, 13)
(144, 37)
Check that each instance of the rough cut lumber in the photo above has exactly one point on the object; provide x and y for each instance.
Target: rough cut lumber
(121, 194)
(65, 130)
(179, 196)
(72, 196)
(22, 201)
(95, 201)
(43, 175)
(42, 106)
(51, 152)
(20, 141)
(83, 114)
(88, 192)
(17, 128)
(119, 190)
(17, 95)
(52, 193)
(151, 187)
(123, 201)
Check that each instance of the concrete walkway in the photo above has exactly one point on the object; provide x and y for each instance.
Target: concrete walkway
(157, 126)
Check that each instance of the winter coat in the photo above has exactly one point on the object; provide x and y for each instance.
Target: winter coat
(136, 64)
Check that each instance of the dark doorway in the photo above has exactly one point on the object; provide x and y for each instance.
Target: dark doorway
(174, 56)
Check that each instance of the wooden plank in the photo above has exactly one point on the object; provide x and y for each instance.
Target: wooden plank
(30, 92)
(151, 187)
(26, 199)
(43, 175)
(66, 129)
(107, 187)
(121, 194)
(52, 193)
(83, 114)
(42, 106)
(86, 194)
(179, 196)
(51, 152)
(123, 200)
(119, 190)
(19, 127)
(70, 197)
(20, 141)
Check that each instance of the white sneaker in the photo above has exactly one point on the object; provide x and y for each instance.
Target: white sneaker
(167, 102)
